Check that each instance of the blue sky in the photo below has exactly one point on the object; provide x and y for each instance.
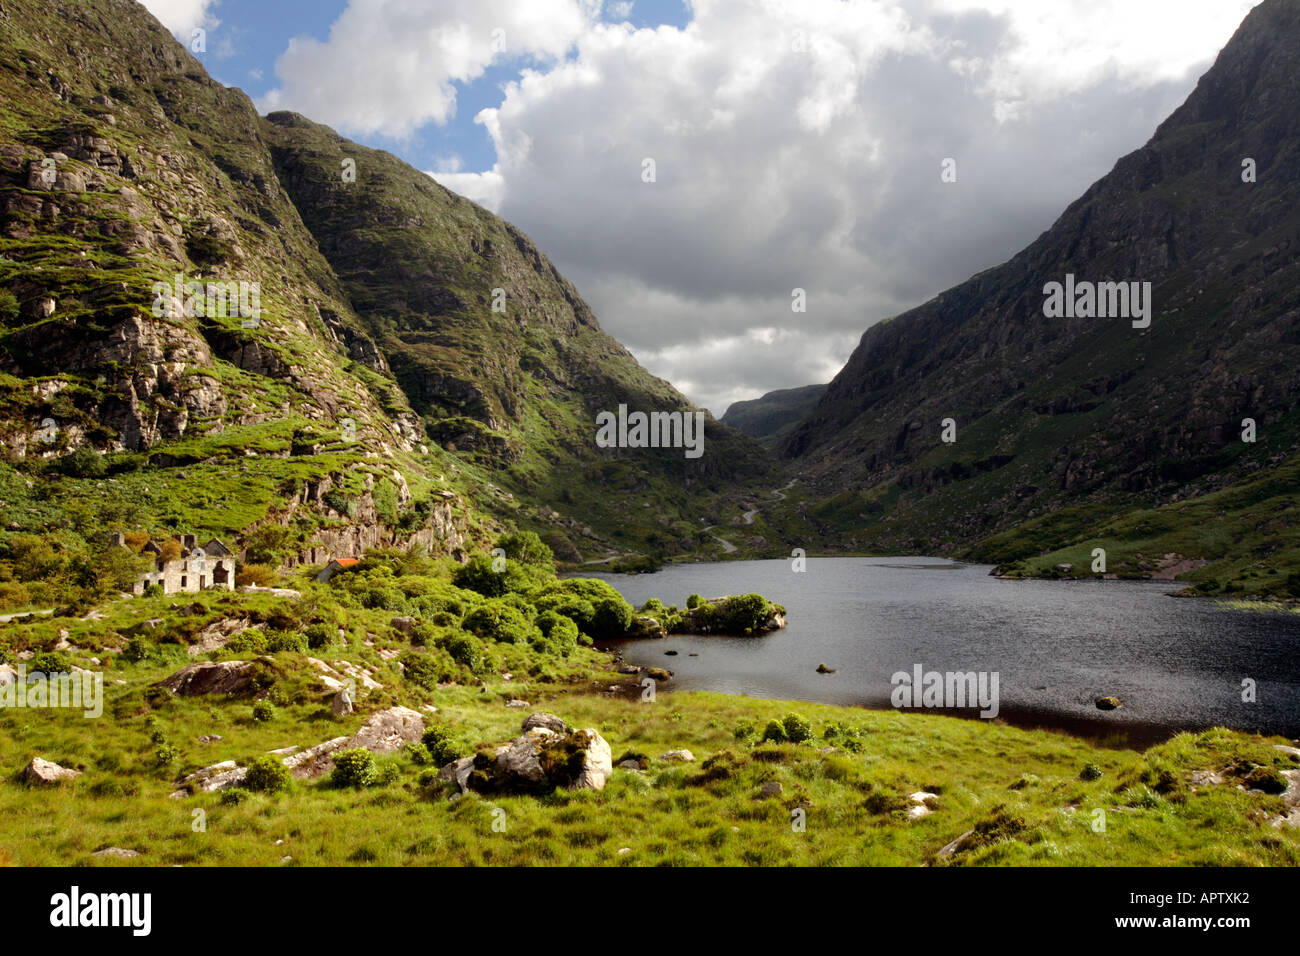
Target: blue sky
(252, 34)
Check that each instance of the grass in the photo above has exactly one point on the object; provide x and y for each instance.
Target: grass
(1020, 790)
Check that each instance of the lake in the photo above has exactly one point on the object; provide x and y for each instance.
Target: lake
(1056, 646)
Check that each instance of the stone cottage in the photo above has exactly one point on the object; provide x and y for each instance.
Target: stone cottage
(199, 567)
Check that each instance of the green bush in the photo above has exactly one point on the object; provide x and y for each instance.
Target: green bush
(165, 755)
(774, 732)
(320, 635)
(419, 753)
(427, 669)
(742, 613)
(354, 767)
(263, 711)
(267, 774)
(444, 745)
(291, 641)
(467, 650)
(51, 662)
(1090, 772)
(694, 601)
(527, 548)
(797, 730)
(559, 634)
(234, 796)
(136, 650)
(744, 730)
(498, 620)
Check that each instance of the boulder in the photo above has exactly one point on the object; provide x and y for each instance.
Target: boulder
(46, 773)
(405, 625)
(221, 677)
(1108, 703)
(658, 673)
(218, 776)
(644, 626)
(341, 703)
(685, 756)
(549, 721)
(772, 788)
(538, 761)
(516, 703)
(382, 733)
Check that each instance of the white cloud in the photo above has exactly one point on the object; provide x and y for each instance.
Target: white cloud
(390, 66)
(797, 144)
(182, 17)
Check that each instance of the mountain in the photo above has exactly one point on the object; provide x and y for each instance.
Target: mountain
(1075, 432)
(772, 415)
(368, 394)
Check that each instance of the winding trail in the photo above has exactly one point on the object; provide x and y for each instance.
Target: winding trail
(748, 517)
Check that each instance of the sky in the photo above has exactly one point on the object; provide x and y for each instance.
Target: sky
(868, 153)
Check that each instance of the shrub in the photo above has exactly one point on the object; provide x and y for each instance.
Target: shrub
(154, 590)
(774, 732)
(354, 767)
(1090, 772)
(419, 753)
(51, 662)
(85, 462)
(797, 730)
(500, 621)
(267, 774)
(249, 641)
(165, 755)
(559, 634)
(256, 575)
(744, 730)
(467, 650)
(743, 613)
(263, 711)
(427, 669)
(137, 649)
(694, 601)
(319, 635)
(290, 641)
(444, 745)
(527, 548)
(234, 796)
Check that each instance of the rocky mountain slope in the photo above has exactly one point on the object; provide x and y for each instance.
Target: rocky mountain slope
(370, 395)
(769, 417)
(1074, 422)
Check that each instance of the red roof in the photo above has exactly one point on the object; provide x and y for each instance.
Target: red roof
(345, 562)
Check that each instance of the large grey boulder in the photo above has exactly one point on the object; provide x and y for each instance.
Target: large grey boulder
(220, 677)
(218, 776)
(539, 760)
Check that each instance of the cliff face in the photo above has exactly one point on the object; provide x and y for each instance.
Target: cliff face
(126, 173)
(1055, 412)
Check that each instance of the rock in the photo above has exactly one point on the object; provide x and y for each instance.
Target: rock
(918, 810)
(628, 669)
(670, 653)
(284, 751)
(389, 730)
(384, 732)
(116, 851)
(823, 669)
(539, 760)
(1203, 778)
(1293, 752)
(597, 765)
(45, 773)
(685, 756)
(772, 788)
(631, 765)
(956, 846)
(624, 849)
(457, 772)
(1108, 703)
(210, 738)
(216, 635)
(658, 674)
(341, 703)
(924, 797)
(549, 721)
(517, 703)
(219, 776)
(223, 677)
(644, 626)
(404, 624)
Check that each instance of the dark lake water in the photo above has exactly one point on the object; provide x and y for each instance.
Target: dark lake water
(1177, 664)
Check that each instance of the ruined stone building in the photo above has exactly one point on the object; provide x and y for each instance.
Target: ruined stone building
(199, 567)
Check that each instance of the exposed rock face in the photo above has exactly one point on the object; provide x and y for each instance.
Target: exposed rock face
(1075, 409)
(218, 776)
(384, 732)
(45, 773)
(222, 677)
